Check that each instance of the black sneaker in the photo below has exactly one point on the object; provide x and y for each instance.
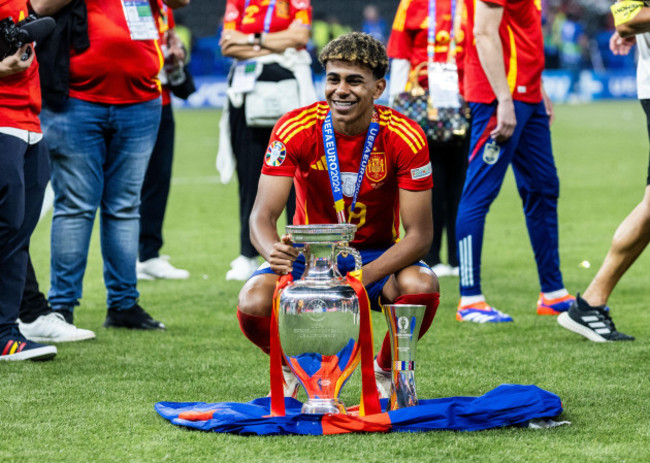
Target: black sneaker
(594, 323)
(15, 346)
(134, 318)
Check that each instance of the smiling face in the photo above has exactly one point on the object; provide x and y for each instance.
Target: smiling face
(350, 91)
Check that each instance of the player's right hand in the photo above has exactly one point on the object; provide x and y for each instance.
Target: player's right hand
(506, 121)
(283, 255)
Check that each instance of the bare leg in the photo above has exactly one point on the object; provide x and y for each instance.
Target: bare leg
(630, 239)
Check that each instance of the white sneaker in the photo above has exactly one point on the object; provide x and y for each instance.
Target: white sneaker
(159, 267)
(290, 383)
(442, 270)
(242, 268)
(53, 328)
(384, 380)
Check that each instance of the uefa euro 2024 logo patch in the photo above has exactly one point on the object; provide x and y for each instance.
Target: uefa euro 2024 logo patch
(275, 154)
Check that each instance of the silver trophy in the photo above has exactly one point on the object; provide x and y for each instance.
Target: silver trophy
(404, 321)
(318, 317)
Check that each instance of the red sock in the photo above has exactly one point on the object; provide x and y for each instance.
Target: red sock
(431, 301)
(257, 329)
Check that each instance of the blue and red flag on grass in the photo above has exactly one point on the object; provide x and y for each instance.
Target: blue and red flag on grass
(506, 405)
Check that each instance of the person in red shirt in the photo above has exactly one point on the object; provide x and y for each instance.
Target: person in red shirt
(100, 140)
(407, 47)
(24, 171)
(511, 118)
(395, 188)
(267, 38)
(155, 189)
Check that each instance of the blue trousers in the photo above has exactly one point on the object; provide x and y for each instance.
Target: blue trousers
(24, 173)
(530, 153)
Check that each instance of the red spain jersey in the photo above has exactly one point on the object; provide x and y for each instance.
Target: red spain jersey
(523, 52)
(409, 35)
(20, 93)
(399, 159)
(115, 69)
(248, 16)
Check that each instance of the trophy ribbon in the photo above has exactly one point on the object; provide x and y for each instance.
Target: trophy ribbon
(277, 389)
(369, 404)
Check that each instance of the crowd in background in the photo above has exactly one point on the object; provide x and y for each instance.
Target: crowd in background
(576, 37)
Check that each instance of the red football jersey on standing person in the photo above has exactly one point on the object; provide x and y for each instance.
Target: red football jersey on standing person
(523, 52)
(399, 159)
(115, 69)
(409, 35)
(20, 93)
(248, 16)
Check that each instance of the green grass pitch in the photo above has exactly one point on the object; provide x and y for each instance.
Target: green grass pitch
(94, 402)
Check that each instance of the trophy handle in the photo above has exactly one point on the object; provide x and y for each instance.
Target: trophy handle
(358, 263)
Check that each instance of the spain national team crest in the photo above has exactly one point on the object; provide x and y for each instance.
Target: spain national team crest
(491, 152)
(376, 170)
(275, 154)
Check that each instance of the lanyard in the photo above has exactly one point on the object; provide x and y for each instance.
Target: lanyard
(431, 36)
(333, 169)
(269, 14)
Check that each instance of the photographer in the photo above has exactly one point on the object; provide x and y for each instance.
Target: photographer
(589, 316)
(24, 172)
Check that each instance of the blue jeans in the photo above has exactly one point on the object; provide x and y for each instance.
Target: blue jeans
(99, 157)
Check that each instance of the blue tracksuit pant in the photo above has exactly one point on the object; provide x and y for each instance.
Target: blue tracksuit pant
(530, 153)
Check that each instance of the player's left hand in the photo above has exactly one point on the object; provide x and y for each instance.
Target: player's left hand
(548, 104)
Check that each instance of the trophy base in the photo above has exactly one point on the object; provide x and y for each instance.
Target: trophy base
(323, 407)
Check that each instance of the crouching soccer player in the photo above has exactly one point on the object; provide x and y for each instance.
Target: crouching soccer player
(398, 187)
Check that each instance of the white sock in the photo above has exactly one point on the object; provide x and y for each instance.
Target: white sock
(467, 300)
(555, 294)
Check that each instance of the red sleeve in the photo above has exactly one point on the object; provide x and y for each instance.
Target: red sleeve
(400, 43)
(301, 11)
(281, 158)
(412, 155)
(170, 19)
(231, 17)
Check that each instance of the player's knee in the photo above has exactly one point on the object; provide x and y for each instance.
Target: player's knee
(419, 281)
(255, 299)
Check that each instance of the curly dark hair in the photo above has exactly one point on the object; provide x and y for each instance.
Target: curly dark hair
(360, 48)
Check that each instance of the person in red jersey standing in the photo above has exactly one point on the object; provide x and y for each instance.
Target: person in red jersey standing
(394, 189)
(24, 172)
(409, 48)
(100, 140)
(511, 118)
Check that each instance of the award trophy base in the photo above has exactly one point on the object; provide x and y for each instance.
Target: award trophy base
(323, 406)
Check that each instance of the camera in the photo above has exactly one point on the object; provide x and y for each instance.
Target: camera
(15, 35)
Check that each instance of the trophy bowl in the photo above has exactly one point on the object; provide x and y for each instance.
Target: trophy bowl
(318, 318)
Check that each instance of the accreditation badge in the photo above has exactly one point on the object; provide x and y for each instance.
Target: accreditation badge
(139, 19)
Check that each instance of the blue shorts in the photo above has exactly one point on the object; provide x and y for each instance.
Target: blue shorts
(345, 265)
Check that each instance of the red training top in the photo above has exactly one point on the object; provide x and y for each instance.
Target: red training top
(399, 159)
(20, 93)
(115, 69)
(165, 21)
(523, 53)
(251, 21)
